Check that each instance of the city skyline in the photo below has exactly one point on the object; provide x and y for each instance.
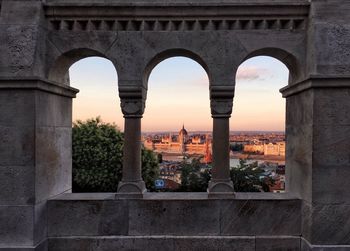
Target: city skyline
(179, 93)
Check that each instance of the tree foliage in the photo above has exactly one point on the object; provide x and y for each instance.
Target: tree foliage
(249, 178)
(97, 152)
(245, 177)
(192, 178)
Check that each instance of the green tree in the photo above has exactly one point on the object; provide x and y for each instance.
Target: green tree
(249, 178)
(150, 168)
(192, 179)
(97, 152)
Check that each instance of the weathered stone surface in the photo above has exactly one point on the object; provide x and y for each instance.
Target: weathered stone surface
(254, 217)
(16, 185)
(40, 225)
(331, 145)
(277, 243)
(332, 109)
(331, 184)
(53, 161)
(16, 225)
(17, 107)
(88, 218)
(327, 224)
(171, 243)
(299, 137)
(16, 146)
(174, 217)
(244, 243)
(53, 110)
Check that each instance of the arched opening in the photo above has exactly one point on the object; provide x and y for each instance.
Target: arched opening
(97, 138)
(257, 138)
(177, 124)
(97, 80)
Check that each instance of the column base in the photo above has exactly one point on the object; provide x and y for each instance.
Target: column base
(221, 189)
(131, 190)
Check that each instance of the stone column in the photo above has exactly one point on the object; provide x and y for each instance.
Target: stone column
(221, 184)
(132, 185)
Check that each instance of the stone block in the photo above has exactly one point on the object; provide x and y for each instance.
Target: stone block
(331, 145)
(299, 109)
(18, 50)
(332, 106)
(331, 184)
(17, 146)
(17, 107)
(277, 243)
(87, 217)
(327, 224)
(53, 110)
(53, 161)
(176, 217)
(260, 217)
(17, 185)
(299, 160)
(332, 54)
(21, 12)
(16, 225)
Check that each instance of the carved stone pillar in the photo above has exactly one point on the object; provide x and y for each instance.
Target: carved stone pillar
(132, 185)
(221, 184)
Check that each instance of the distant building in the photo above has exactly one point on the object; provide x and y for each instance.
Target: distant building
(181, 144)
(270, 149)
(275, 149)
(257, 149)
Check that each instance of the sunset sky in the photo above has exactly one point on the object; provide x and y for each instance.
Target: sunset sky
(178, 92)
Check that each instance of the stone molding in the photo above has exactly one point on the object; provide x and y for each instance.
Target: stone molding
(316, 81)
(38, 84)
(177, 24)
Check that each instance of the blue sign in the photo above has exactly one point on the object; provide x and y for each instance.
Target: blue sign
(159, 183)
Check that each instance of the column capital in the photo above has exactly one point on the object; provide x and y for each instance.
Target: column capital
(221, 108)
(132, 99)
(133, 108)
(221, 100)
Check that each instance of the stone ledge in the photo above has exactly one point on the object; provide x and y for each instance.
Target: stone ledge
(306, 246)
(179, 216)
(38, 84)
(316, 81)
(175, 196)
(186, 243)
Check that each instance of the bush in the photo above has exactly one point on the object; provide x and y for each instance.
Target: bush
(97, 157)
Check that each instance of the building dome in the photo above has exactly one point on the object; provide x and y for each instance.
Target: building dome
(183, 131)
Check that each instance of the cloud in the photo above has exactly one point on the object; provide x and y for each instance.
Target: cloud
(250, 73)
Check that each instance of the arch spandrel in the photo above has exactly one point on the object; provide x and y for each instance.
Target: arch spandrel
(289, 49)
(58, 70)
(177, 52)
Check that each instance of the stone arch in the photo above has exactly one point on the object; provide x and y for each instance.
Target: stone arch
(169, 54)
(287, 58)
(58, 72)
